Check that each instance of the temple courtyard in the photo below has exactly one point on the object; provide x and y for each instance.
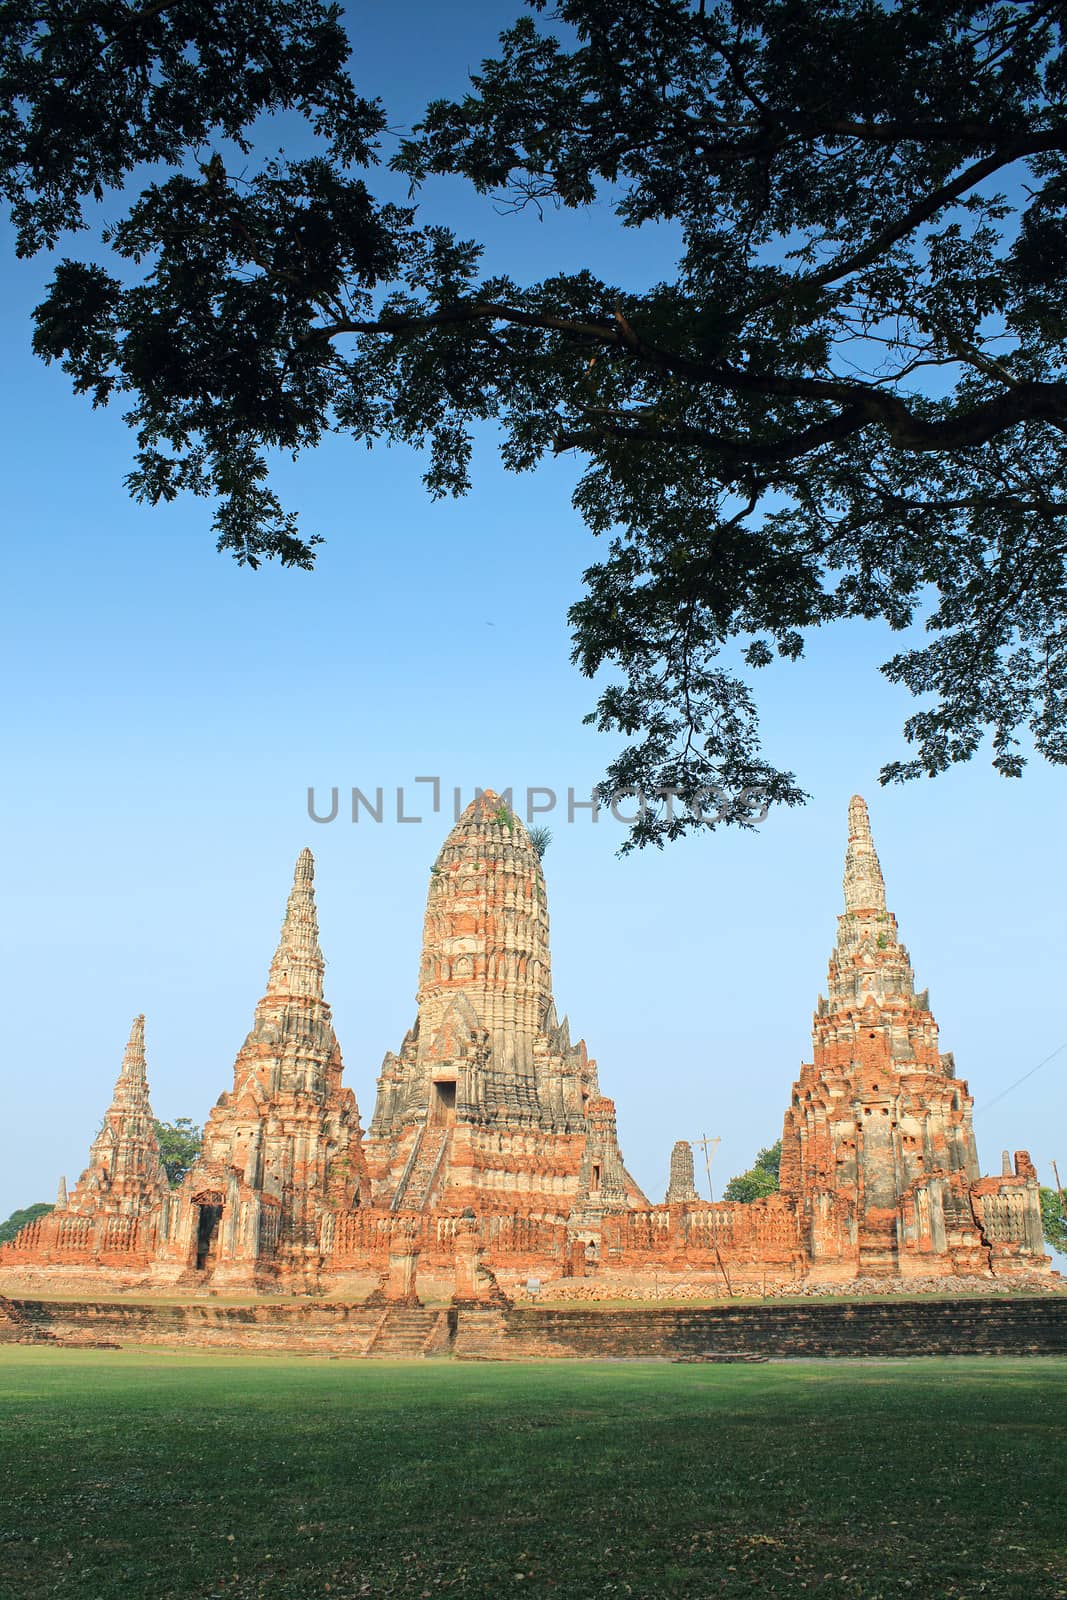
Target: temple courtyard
(149, 1473)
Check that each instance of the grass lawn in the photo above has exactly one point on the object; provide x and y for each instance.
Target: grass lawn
(149, 1475)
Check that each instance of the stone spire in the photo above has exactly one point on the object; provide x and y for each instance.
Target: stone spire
(869, 963)
(292, 1047)
(61, 1195)
(681, 1189)
(879, 1109)
(283, 1147)
(125, 1169)
(131, 1088)
(130, 1112)
(864, 886)
(298, 966)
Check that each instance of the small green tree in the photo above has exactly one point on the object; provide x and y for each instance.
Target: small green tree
(760, 1180)
(1053, 1221)
(179, 1145)
(540, 838)
(18, 1219)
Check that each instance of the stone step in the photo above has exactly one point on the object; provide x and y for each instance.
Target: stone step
(426, 1164)
(404, 1333)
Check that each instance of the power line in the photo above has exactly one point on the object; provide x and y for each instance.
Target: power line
(986, 1105)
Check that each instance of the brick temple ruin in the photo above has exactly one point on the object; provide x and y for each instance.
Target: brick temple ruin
(492, 1157)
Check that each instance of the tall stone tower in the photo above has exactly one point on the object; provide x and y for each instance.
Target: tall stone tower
(125, 1175)
(282, 1155)
(488, 1104)
(878, 1147)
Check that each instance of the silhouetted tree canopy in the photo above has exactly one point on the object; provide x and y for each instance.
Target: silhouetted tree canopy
(847, 401)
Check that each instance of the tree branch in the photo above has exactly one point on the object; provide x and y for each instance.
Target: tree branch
(923, 210)
(1032, 402)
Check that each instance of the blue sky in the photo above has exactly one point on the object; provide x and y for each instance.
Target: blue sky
(167, 711)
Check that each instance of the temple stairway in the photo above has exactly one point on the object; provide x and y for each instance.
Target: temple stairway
(430, 1156)
(878, 1253)
(407, 1333)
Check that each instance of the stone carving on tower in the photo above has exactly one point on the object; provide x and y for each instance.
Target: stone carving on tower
(488, 1104)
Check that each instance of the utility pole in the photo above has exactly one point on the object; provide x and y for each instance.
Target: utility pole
(709, 1147)
(1059, 1191)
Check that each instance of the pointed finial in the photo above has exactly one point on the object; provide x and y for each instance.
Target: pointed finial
(133, 1061)
(297, 968)
(61, 1195)
(864, 886)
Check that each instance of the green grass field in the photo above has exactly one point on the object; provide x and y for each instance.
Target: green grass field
(141, 1473)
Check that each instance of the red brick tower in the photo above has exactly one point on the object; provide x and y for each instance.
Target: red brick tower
(878, 1147)
(125, 1175)
(113, 1215)
(281, 1157)
(488, 1104)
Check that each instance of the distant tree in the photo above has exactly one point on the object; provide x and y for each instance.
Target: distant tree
(19, 1219)
(1053, 1222)
(179, 1145)
(760, 1180)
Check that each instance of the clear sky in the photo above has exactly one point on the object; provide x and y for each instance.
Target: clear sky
(166, 712)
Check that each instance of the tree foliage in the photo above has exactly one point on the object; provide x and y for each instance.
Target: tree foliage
(849, 400)
(1053, 1220)
(179, 1145)
(90, 91)
(18, 1219)
(760, 1180)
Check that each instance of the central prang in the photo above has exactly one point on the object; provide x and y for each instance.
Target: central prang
(488, 1103)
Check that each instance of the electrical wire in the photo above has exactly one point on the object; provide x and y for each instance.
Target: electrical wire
(985, 1106)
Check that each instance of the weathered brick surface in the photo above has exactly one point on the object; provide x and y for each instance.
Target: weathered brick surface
(888, 1328)
(895, 1328)
(312, 1329)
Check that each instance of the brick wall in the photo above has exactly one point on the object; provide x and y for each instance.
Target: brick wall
(1036, 1326)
